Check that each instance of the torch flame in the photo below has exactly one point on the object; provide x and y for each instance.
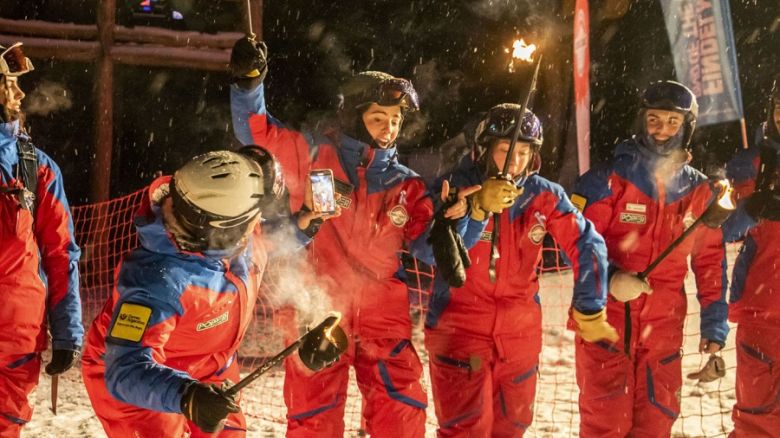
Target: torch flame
(521, 51)
(329, 330)
(725, 200)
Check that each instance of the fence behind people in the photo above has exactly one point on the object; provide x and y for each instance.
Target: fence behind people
(105, 232)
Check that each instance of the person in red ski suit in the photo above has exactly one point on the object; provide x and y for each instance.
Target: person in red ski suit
(755, 285)
(166, 340)
(484, 337)
(39, 286)
(641, 201)
(355, 256)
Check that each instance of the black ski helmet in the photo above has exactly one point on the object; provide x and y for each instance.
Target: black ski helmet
(671, 96)
(369, 87)
(499, 123)
(216, 196)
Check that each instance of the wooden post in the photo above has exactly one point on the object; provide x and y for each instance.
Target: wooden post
(104, 104)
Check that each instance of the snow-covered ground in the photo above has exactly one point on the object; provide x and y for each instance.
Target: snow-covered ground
(706, 410)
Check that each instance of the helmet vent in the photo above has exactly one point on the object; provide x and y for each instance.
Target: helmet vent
(220, 176)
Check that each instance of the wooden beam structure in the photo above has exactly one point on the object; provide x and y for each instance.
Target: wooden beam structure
(106, 44)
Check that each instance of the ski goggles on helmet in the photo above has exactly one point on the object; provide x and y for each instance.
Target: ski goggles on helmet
(397, 91)
(13, 62)
(669, 95)
(500, 123)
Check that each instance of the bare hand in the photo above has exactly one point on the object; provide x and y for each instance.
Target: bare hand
(705, 346)
(460, 208)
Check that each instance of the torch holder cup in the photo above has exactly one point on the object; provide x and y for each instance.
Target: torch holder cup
(319, 350)
(715, 215)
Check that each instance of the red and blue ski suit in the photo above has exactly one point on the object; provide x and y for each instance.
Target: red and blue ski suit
(356, 259)
(484, 339)
(755, 303)
(640, 203)
(188, 313)
(39, 287)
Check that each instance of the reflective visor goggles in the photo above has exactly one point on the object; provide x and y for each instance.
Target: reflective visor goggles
(13, 62)
(669, 97)
(501, 124)
(397, 91)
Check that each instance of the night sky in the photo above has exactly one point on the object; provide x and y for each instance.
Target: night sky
(452, 50)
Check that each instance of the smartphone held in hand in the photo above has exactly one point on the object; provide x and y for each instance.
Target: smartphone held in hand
(322, 190)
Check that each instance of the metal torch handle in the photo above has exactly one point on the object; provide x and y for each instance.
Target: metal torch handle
(518, 126)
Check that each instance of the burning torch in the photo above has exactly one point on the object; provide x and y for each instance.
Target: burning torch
(525, 53)
(713, 217)
(317, 348)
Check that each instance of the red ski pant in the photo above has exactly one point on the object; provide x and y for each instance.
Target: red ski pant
(125, 420)
(632, 387)
(757, 411)
(388, 375)
(18, 378)
(481, 386)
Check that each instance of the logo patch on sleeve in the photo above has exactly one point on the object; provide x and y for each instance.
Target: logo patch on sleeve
(579, 201)
(131, 321)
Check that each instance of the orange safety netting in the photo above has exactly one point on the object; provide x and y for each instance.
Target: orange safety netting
(105, 233)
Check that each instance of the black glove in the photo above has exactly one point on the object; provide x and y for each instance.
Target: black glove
(207, 406)
(248, 64)
(763, 204)
(451, 255)
(61, 361)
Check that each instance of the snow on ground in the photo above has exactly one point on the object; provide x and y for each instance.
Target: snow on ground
(706, 410)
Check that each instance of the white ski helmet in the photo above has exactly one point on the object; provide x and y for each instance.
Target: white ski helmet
(215, 197)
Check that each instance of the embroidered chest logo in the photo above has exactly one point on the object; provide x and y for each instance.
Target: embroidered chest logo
(538, 230)
(398, 216)
(344, 189)
(344, 201)
(486, 236)
(633, 218)
(221, 319)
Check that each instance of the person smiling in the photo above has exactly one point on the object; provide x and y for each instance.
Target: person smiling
(355, 256)
(641, 201)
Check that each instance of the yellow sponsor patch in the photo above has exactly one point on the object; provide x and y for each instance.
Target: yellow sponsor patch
(579, 201)
(131, 322)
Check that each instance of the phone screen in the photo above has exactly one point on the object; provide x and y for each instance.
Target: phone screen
(323, 198)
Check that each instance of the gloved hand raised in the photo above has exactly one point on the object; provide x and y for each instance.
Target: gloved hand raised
(61, 361)
(763, 204)
(593, 328)
(207, 405)
(248, 64)
(626, 287)
(495, 195)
